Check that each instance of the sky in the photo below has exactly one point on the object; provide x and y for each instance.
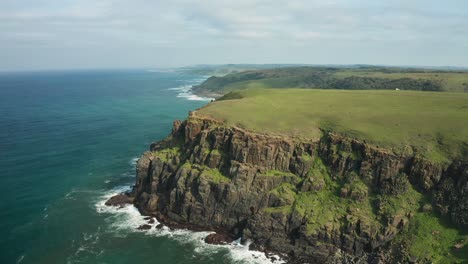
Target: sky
(92, 34)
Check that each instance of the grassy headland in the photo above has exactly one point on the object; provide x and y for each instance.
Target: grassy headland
(434, 124)
(426, 116)
(430, 124)
(360, 78)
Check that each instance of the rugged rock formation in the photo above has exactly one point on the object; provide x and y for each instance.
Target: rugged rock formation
(218, 239)
(119, 200)
(326, 200)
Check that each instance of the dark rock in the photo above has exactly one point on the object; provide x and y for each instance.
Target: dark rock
(144, 227)
(243, 184)
(151, 221)
(159, 226)
(218, 239)
(119, 200)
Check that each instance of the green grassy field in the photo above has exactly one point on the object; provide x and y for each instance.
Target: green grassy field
(435, 124)
(451, 81)
(366, 78)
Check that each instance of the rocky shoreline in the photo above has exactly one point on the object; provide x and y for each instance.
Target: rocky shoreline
(327, 200)
(220, 236)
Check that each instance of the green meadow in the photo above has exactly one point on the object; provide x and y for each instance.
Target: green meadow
(434, 124)
(450, 81)
(362, 78)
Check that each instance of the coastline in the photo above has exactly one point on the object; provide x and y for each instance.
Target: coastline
(170, 178)
(158, 222)
(171, 165)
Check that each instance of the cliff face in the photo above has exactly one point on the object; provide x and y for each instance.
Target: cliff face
(322, 200)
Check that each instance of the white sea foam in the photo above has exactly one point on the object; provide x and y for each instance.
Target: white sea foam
(185, 91)
(182, 88)
(192, 97)
(128, 174)
(86, 247)
(128, 219)
(134, 161)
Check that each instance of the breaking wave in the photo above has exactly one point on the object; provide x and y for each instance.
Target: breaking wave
(127, 219)
(185, 91)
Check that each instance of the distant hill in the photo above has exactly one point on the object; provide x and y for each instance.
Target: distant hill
(225, 69)
(351, 78)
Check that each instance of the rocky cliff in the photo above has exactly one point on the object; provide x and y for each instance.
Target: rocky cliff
(332, 199)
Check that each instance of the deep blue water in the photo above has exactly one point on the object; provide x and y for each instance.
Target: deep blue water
(68, 140)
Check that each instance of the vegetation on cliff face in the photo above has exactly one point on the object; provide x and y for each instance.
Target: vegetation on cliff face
(430, 238)
(307, 197)
(340, 203)
(167, 154)
(321, 174)
(213, 175)
(367, 78)
(433, 124)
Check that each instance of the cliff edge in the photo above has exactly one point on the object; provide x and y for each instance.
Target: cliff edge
(332, 199)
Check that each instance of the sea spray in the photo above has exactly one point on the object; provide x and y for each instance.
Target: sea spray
(185, 91)
(128, 219)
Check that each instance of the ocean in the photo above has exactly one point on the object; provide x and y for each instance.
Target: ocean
(71, 139)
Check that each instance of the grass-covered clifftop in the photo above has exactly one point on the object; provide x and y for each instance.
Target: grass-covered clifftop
(374, 172)
(361, 78)
(305, 197)
(433, 124)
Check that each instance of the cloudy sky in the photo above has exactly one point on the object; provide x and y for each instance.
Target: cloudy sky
(70, 34)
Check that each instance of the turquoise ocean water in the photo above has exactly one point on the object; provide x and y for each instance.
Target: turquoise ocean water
(69, 140)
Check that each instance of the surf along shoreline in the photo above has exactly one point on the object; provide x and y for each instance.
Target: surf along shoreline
(218, 236)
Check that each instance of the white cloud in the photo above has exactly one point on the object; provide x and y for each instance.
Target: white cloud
(307, 36)
(190, 26)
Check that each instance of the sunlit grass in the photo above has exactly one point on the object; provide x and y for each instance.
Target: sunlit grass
(434, 123)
